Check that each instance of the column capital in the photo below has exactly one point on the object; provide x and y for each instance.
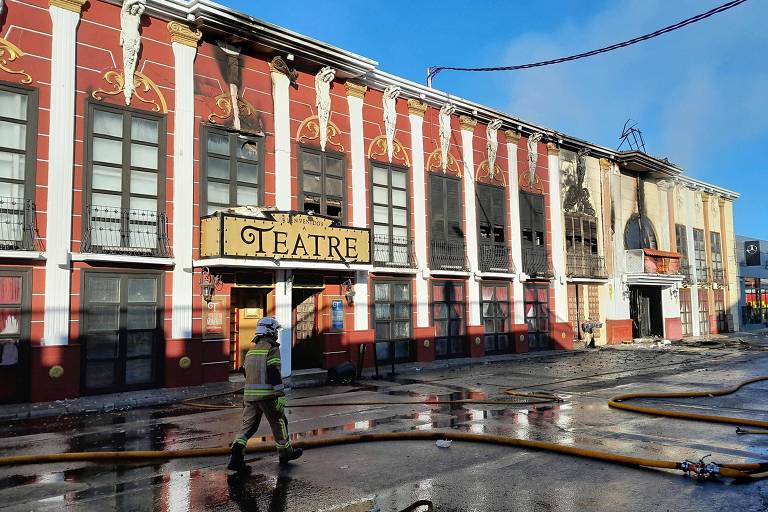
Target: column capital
(552, 149)
(355, 90)
(183, 34)
(513, 136)
(416, 107)
(605, 165)
(467, 123)
(278, 65)
(70, 5)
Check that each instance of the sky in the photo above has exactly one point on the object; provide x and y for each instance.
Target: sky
(699, 94)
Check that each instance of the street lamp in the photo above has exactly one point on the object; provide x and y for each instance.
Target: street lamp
(208, 284)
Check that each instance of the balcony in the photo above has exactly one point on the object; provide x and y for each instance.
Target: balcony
(718, 276)
(703, 275)
(125, 231)
(535, 263)
(17, 225)
(687, 272)
(586, 266)
(393, 252)
(652, 267)
(495, 258)
(447, 255)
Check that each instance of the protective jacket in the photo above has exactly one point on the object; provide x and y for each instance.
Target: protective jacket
(262, 371)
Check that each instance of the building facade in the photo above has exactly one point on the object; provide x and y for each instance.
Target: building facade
(173, 171)
(753, 282)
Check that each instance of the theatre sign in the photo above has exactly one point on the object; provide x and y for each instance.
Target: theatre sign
(283, 236)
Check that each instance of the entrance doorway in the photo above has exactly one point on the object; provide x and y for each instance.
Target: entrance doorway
(248, 307)
(307, 340)
(15, 296)
(536, 307)
(645, 311)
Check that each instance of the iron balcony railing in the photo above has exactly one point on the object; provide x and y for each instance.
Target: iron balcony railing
(126, 231)
(718, 276)
(535, 263)
(702, 275)
(18, 231)
(495, 258)
(447, 255)
(393, 251)
(686, 272)
(585, 265)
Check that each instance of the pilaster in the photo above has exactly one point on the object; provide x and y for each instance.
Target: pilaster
(416, 110)
(283, 314)
(558, 237)
(518, 307)
(470, 218)
(280, 98)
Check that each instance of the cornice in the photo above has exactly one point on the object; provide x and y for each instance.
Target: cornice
(355, 90)
(467, 123)
(416, 107)
(70, 5)
(183, 34)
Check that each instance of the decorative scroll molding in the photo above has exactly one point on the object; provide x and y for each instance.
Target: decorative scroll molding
(323, 80)
(665, 185)
(434, 163)
(552, 149)
(416, 107)
(130, 40)
(355, 90)
(9, 53)
(182, 34)
(513, 136)
(390, 116)
(495, 175)
(142, 85)
(467, 123)
(380, 147)
(530, 179)
(444, 119)
(576, 196)
(70, 5)
(278, 65)
(492, 145)
(309, 130)
(224, 103)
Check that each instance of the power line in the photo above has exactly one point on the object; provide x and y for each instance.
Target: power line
(433, 71)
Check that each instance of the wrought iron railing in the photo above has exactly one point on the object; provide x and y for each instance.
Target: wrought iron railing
(718, 276)
(687, 272)
(126, 231)
(585, 265)
(494, 258)
(393, 251)
(703, 275)
(447, 255)
(535, 263)
(18, 231)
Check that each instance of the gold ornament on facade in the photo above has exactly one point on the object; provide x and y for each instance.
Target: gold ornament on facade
(224, 102)
(182, 34)
(605, 165)
(552, 149)
(355, 90)
(495, 175)
(142, 85)
(378, 148)
(416, 107)
(467, 123)
(513, 136)
(434, 163)
(9, 53)
(70, 5)
(309, 130)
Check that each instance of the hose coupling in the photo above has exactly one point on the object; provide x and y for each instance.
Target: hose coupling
(702, 469)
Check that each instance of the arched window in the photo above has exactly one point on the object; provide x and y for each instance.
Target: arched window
(639, 233)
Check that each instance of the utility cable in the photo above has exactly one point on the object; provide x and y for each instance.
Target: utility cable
(433, 71)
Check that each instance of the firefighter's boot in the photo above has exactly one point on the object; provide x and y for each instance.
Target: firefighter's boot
(237, 459)
(294, 454)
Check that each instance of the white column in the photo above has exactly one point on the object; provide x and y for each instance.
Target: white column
(670, 305)
(619, 306)
(518, 310)
(355, 95)
(280, 87)
(558, 237)
(416, 111)
(470, 218)
(283, 310)
(184, 43)
(690, 215)
(61, 142)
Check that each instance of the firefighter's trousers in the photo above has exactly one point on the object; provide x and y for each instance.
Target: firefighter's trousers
(252, 412)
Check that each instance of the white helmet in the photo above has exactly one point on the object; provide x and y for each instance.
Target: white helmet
(268, 327)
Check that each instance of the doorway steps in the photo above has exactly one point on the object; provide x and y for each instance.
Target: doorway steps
(309, 378)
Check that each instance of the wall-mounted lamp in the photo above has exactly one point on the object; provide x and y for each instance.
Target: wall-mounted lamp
(209, 283)
(674, 292)
(349, 292)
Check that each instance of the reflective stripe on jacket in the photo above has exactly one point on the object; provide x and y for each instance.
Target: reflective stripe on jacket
(262, 371)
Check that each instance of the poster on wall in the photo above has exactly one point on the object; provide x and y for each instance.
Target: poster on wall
(752, 253)
(337, 315)
(215, 317)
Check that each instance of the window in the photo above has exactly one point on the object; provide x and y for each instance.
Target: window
(686, 315)
(536, 307)
(125, 182)
(581, 247)
(18, 110)
(389, 198)
(494, 307)
(392, 320)
(755, 301)
(122, 330)
(639, 233)
(533, 238)
(681, 233)
(446, 226)
(721, 316)
(492, 239)
(448, 307)
(703, 312)
(700, 255)
(322, 182)
(232, 166)
(717, 257)
(14, 335)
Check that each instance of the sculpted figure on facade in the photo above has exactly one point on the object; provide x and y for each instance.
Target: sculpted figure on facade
(323, 80)
(492, 145)
(390, 117)
(445, 132)
(576, 194)
(533, 155)
(130, 40)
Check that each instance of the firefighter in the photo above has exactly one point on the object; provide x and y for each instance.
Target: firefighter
(263, 395)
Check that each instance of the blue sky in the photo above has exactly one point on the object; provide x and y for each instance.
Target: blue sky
(700, 94)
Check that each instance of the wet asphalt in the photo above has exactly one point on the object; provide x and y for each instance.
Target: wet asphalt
(464, 477)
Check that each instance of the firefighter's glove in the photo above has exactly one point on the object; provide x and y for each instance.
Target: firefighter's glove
(280, 404)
